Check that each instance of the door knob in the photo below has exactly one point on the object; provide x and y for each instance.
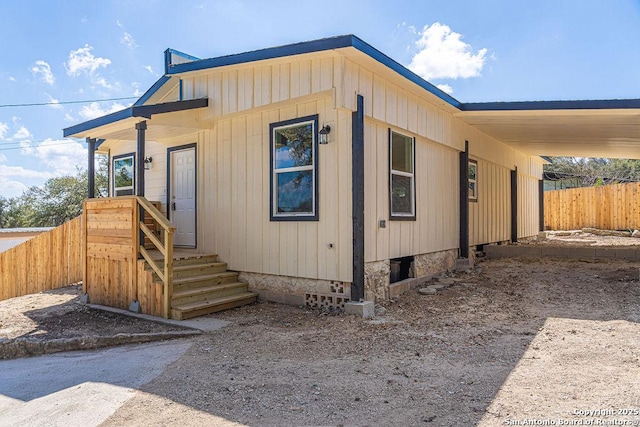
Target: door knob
(173, 206)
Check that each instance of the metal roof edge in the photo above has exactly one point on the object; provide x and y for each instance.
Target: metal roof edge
(591, 104)
(144, 111)
(152, 90)
(319, 45)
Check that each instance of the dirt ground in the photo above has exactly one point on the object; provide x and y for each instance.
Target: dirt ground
(582, 238)
(513, 342)
(56, 314)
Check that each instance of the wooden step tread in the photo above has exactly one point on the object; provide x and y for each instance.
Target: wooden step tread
(218, 301)
(204, 277)
(206, 289)
(197, 266)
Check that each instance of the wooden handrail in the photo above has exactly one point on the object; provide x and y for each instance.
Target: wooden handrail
(155, 213)
(166, 273)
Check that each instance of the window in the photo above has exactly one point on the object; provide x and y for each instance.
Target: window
(294, 170)
(123, 174)
(402, 176)
(472, 178)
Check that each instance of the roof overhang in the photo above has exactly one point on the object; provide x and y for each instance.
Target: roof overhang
(163, 120)
(603, 128)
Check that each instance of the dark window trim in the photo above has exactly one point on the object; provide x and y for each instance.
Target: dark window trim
(316, 193)
(396, 217)
(113, 169)
(170, 150)
(473, 199)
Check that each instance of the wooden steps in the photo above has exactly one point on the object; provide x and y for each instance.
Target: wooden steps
(202, 285)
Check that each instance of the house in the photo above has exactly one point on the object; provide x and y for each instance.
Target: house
(11, 237)
(322, 172)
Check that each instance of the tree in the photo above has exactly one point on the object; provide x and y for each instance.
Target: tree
(587, 172)
(57, 201)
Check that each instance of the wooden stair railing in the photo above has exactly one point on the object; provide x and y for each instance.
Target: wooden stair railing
(164, 272)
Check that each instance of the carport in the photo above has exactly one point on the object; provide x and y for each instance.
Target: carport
(590, 128)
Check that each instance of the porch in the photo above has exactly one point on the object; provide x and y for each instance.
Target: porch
(129, 262)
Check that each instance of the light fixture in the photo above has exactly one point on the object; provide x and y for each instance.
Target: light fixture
(323, 135)
(147, 162)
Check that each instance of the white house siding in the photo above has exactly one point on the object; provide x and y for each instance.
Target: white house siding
(391, 101)
(234, 166)
(490, 216)
(236, 177)
(244, 87)
(436, 180)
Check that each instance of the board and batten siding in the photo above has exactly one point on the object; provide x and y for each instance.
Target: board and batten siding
(436, 181)
(490, 216)
(241, 88)
(237, 175)
(398, 106)
(415, 112)
(156, 177)
(528, 202)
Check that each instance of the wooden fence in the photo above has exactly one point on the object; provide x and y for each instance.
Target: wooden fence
(113, 274)
(48, 261)
(611, 207)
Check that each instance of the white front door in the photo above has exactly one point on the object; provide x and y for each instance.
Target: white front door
(182, 195)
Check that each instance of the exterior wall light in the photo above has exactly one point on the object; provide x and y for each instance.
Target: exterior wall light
(147, 162)
(323, 135)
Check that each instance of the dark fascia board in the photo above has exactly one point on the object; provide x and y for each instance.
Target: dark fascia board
(167, 58)
(310, 47)
(609, 104)
(144, 111)
(153, 89)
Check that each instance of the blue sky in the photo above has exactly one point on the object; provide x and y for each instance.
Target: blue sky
(478, 50)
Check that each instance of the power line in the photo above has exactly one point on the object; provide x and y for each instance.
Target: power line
(36, 146)
(39, 104)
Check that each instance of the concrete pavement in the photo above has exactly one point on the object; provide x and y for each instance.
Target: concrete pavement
(81, 388)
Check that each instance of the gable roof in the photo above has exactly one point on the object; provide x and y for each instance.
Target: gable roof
(588, 128)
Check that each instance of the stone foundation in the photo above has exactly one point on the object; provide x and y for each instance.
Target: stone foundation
(377, 286)
(376, 281)
(333, 294)
(297, 290)
(434, 263)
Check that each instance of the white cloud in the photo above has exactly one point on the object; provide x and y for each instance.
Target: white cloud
(445, 88)
(54, 103)
(22, 133)
(136, 89)
(94, 110)
(127, 39)
(42, 69)
(443, 54)
(69, 118)
(101, 81)
(4, 128)
(3, 158)
(148, 68)
(20, 172)
(11, 188)
(82, 61)
(63, 156)
(11, 78)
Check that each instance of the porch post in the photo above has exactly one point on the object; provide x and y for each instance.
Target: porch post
(141, 127)
(91, 168)
(514, 205)
(541, 204)
(357, 201)
(464, 201)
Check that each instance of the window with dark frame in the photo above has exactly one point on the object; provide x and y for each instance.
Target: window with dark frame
(124, 174)
(473, 180)
(294, 169)
(402, 191)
